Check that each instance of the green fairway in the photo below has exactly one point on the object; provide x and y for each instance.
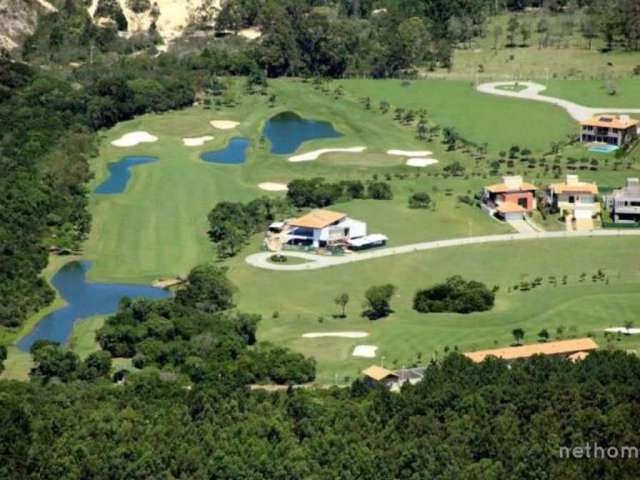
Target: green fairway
(157, 228)
(304, 300)
(500, 122)
(595, 93)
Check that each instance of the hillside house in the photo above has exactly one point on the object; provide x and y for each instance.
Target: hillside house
(375, 375)
(510, 200)
(624, 204)
(575, 200)
(572, 349)
(617, 130)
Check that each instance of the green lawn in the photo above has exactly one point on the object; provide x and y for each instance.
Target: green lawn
(594, 93)
(500, 122)
(304, 300)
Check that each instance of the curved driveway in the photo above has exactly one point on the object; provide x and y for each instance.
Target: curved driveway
(532, 92)
(316, 262)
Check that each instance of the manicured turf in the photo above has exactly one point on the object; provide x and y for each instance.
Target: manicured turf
(157, 228)
(480, 118)
(304, 300)
(595, 93)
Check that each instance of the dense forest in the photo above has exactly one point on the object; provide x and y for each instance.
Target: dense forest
(465, 421)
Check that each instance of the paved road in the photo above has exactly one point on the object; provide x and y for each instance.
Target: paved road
(316, 262)
(532, 92)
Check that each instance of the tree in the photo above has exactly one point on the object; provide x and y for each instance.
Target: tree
(55, 361)
(341, 301)
(208, 289)
(379, 191)
(589, 29)
(377, 300)
(420, 200)
(96, 365)
(525, 32)
(518, 335)
(543, 335)
(497, 35)
(455, 295)
(512, 28)
(3, 357)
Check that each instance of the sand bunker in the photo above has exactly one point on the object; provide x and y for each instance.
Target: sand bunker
(336, 334)
(224, 124)
(273, 187)
(421, 162)
(364, 351)
(630, 331)
(410, 153)
(310, 156)
(197, 141)
(134, 138)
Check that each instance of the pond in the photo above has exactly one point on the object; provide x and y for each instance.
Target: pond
(120, 174)
(287, 131)
(234, 153)
(84, 300)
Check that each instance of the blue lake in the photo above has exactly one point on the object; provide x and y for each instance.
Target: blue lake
(120, 173)
(84, 300)
(234, 153)
(287, 131)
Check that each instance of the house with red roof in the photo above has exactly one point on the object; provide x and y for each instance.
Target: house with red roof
(510, 200)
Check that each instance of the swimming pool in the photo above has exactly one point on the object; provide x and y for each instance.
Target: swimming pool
(603, 148)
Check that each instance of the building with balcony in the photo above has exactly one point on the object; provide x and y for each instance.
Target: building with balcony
(624, 204)
(575, 200)
(617, 130)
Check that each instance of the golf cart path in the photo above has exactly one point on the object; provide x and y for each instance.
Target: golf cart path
(533, 92)
(316, 262)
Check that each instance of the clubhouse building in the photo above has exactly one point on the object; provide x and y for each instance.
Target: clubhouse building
(510, 200)
(616, 130)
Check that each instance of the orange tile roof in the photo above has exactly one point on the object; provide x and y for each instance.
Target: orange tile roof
(317, 219)
(610, 121)
(510, 207)
(504, 188)
(525, 351)
(580, 187)
(378, 373)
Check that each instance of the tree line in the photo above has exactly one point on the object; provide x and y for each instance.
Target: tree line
(464, 421)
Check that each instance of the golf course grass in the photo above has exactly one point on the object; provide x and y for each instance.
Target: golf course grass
(595, 93)
(157, 228)
(479, 118)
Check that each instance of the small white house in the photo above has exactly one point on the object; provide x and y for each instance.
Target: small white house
(321, 228)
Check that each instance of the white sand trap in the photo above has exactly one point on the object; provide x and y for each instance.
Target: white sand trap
(273, 187)
(631, 331)
(421, 162)
(410, 153)
(197, 141)
(224, 124)
(364, 351)
(134, 138)
(336, 334)
(314, 155)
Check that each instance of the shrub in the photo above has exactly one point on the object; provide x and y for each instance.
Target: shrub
(420, 200)
(455, 295)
